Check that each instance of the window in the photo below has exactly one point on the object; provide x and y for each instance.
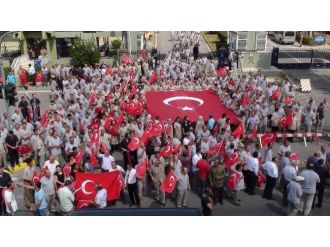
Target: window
(242, 41)
(138, 41)
(63, 46)
(112, 34)
(261, 43)
(289, 34)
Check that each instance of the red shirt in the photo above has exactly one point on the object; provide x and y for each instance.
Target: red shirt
(204, 168)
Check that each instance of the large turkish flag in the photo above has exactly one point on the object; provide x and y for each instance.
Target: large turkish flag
(170, 104)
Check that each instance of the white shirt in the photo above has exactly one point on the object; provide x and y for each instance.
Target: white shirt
(197, 157)
(252, 164)
(51, 166)
(271, 169)
(130, 177)
(66, 198)
(10, 198)
(106, 162)
(101, 198)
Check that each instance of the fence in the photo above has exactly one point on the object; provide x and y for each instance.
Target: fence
(300, 58)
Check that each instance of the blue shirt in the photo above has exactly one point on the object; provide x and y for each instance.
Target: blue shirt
(210, 123)
(40, 196)
(11, 79)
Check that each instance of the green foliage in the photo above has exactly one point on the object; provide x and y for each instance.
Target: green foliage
(85, 51)
(116, 44)
(6, 70)
(307, 40)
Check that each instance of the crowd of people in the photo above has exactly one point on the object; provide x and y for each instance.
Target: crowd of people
(98, 98)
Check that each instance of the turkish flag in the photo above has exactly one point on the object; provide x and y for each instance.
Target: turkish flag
(232, 160)
(287, 100)
(83, 204)
(141, 168)
(79, 156)
(177, 149)
(92, 159)
(276, 94)
(180, 103)
(283, 122)
(169, 183)
(214, 149)
(39, 77)
(92, 98)
(111, 181)
(249, 89)
(294, 156)
(233, 179)
(109, 71)
(134, 143)
(222, 72)
(245, 101)
(268, 138)
(149, 126)
(108, 97)
(35, 178)
(43, 171)
(232, 82)
(44, 118)
(67, 170)
(153, 78)
(142, 55)
(254, 132)
(239, 131)
(24, 149)
(261, 179)
(167, 150)
(156, 130)
(127, 59)
(95, 138)
(290, 117)
(216, 130)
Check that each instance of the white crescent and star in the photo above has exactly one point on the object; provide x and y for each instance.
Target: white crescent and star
(185, 108)
(234, 157)
(83, 187)
(172, 181)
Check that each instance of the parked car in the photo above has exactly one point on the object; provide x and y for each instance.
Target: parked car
(285, 37)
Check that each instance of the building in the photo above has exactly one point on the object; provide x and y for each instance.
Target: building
(58, 43)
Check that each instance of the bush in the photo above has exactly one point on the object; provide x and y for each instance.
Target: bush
(85, 51)
(6, 70)
(116, 44)
(307, 40)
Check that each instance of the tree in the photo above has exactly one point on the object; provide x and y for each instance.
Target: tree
(116, 44)
(85, 51)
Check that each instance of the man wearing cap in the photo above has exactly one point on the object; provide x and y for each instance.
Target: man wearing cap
(4, 180)
(311, 178)
(252, 170)
(294, 194)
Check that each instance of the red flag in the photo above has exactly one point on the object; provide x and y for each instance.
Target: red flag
(108, 97)
(239, 131)
(268, 138)
(83, 204)
(232, 82)
(167, 151)
(232, 160)
(177, 149)
(141, 168)
(67, 170)
(149, 126)
(254, 132)
(111, 181)
(44, 118)
(290, 117)
(92, 98)
(134, 143)
(168, 129)
(109, 71)
(43, 171)
(287, 100)
(95, 138)
(276, 94)
(169, 183)
(233, 179)
(214, 149)
(156, 130)
(142, 55)
(294, 156)
(35, 178)
(249, 89)
(162, 73)
(153, 78)
(261, 179)
(222, 72)
(24, 149)
(283, 122)
(216, 130)
(222, 150)
(245, 101)
(79, 156)
(127, 59)
(93, 160)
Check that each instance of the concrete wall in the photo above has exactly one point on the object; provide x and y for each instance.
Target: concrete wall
(257, 60)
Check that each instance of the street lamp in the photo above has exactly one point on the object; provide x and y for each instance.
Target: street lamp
(4, 82)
